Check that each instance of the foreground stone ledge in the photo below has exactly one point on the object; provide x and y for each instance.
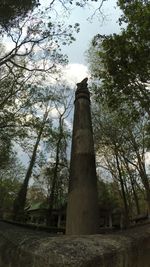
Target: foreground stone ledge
(21, 247)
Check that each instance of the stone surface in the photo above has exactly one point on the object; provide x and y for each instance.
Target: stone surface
(20, 247)
(82, 208)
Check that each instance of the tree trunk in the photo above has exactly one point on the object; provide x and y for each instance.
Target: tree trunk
(136, 200)
(55, 176)
(145, 181)
(20, 201)
(132, 180)
(143, 174)
(123, 191)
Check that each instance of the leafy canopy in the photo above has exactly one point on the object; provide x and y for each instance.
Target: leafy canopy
(122, 61)
(10, 10)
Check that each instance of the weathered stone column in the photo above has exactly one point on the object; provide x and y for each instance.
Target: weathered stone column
(82, 210)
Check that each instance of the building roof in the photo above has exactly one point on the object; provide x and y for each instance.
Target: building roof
(37, 206)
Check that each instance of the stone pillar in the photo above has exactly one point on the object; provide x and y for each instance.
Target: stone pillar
(82, 209)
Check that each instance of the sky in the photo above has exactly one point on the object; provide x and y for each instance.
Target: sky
(89, 27)
(77, 69)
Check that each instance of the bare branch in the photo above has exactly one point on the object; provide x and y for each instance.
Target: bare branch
(28, 69)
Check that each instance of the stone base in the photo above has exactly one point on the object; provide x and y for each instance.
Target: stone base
(21, 247)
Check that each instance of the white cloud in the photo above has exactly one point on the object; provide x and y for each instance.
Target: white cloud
(69, 124)
(55, 113)
(75, 73)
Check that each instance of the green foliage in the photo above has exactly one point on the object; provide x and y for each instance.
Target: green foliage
(108, 196)
(121, 143)
(36, 194)
(11, 175)
(5, 150)
(120, 64)
(10, 10)
(124, 59)
(8, 191)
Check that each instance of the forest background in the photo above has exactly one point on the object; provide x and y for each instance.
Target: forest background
(36, 103)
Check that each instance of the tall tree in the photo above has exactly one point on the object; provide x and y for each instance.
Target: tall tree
(123, 59)
(121, 149)
(11, 10)
(60, 138)
(11, 176)
(20, 201)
